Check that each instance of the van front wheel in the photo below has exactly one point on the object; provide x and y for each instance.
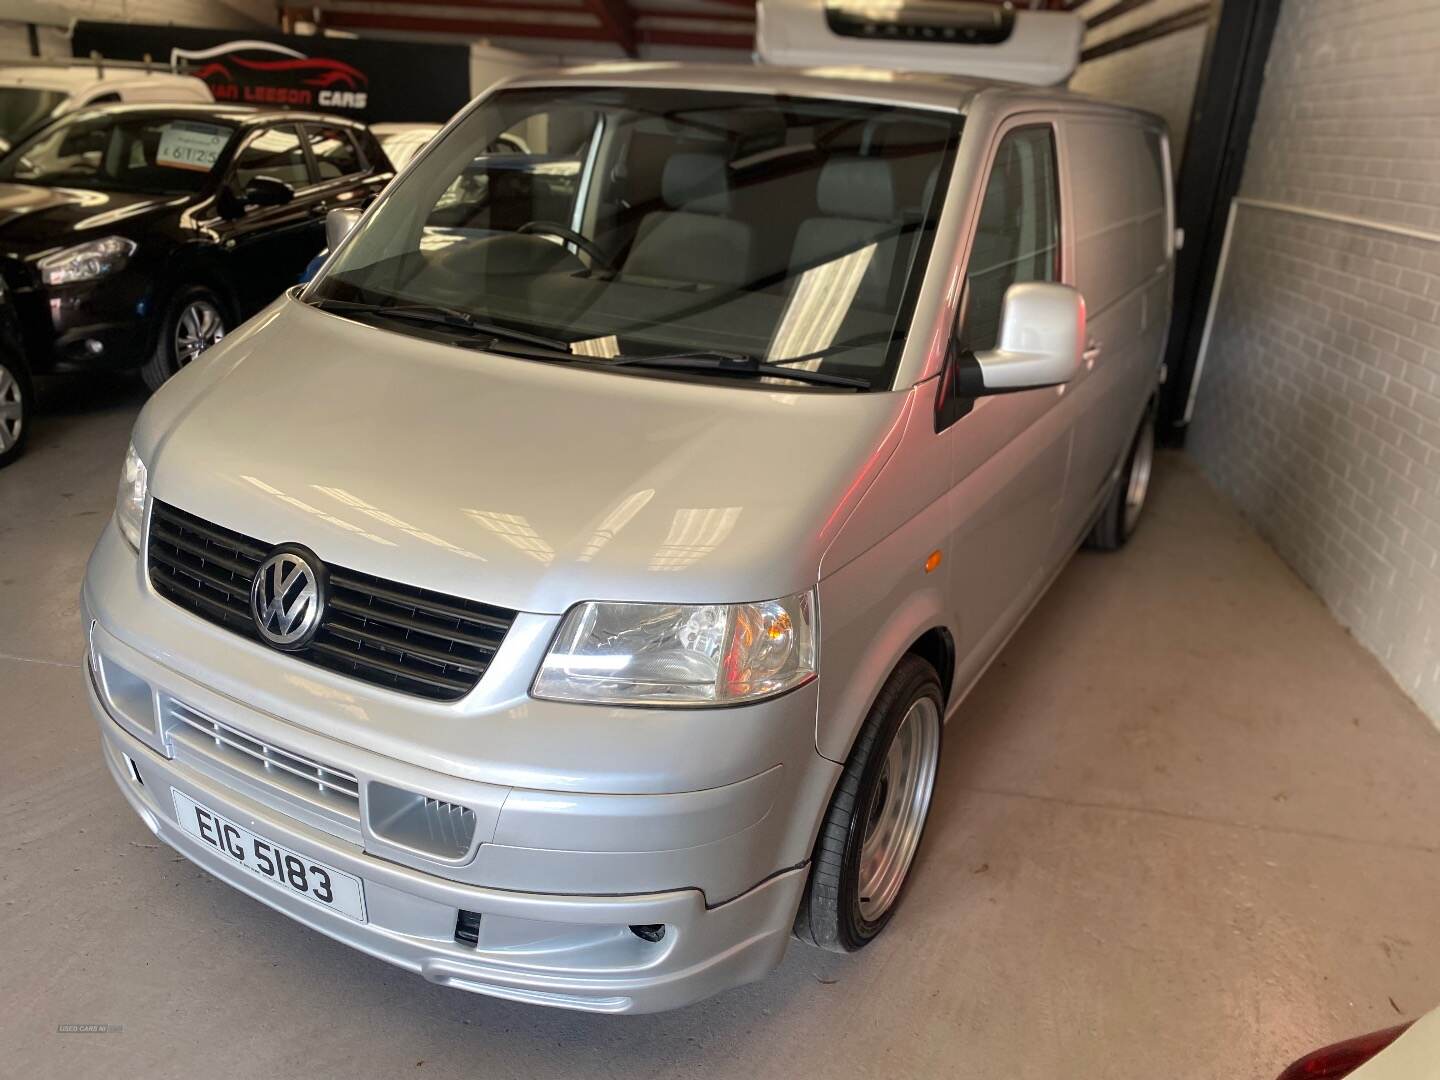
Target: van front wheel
(872, 830)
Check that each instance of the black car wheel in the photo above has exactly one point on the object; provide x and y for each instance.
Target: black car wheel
(15, 402)
(194, 320)
(877, 814)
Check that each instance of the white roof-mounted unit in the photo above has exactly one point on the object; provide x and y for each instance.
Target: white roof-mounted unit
(952, 38)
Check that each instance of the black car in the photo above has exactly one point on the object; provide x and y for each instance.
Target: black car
(135, 236)
(14, 383)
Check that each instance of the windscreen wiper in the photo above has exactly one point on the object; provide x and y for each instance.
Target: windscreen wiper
(732, 363)
(744, 363)
(451, 318)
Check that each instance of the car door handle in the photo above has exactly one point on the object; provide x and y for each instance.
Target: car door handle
(1092, 353)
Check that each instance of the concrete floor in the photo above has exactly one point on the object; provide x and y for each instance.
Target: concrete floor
(1185, 828)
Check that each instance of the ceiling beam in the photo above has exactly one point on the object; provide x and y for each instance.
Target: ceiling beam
(742, 37)
(342, 19)
(700, 39)
(618, 22)
(727, 20)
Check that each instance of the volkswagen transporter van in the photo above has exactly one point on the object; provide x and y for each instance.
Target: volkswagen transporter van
(563, 595)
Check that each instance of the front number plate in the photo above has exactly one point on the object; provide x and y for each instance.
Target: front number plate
(320, 884)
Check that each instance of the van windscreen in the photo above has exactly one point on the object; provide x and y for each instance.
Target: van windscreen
(633, 222)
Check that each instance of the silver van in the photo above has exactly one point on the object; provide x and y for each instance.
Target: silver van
(562, 596)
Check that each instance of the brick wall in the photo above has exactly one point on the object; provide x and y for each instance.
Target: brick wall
(1159, 75)
(1318, 411)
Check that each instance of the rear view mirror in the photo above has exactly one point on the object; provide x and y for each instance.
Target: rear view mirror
(267, 191)
(1042, 328)
(338, 224)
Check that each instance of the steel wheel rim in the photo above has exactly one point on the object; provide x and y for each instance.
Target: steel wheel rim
(898, 808)
(1140, 465)
(198, 327)
(12, 409)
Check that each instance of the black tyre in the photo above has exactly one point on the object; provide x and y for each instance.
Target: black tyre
(1121, 515)
(868, 840)
(17, 401)
(194, 320)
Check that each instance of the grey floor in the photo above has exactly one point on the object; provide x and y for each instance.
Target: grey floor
(1186, 828)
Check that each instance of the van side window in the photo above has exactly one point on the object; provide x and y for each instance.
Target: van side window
(275, 152)
(1017, 237)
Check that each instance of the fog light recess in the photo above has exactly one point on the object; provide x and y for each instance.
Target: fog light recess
(648, 931)
(467, 927)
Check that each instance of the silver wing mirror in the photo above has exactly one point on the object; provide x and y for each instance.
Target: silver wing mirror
(338, 224)
(1042, 330)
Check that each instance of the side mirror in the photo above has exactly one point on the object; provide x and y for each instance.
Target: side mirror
(267, 191)
(338, 223)
(1042, 332)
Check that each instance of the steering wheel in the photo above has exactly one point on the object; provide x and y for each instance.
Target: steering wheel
(585, 244)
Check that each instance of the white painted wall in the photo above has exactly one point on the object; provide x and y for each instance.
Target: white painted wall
(52, 16)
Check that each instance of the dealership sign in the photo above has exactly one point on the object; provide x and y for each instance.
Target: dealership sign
(368, 79)
(263, 73)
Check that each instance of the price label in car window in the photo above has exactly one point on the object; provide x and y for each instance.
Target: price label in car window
(185, 145)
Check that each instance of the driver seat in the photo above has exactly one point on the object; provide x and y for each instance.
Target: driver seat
(694, 240)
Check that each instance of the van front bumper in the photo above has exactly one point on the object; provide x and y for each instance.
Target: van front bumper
(546, 882)
(569, 951)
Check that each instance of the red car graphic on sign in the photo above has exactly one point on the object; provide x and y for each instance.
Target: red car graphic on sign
(263, 72)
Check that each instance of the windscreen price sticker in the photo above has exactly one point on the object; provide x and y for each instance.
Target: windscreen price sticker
(191, 146)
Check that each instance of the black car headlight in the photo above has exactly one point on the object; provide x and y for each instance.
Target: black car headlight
(86, 262)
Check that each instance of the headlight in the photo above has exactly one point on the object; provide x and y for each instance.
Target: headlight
(86, 262)
(680, 654)
(130, 501)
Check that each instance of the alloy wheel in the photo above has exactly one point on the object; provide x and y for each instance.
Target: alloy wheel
(12, 409)
(898, 808)
(199, 326)
(1141, 464)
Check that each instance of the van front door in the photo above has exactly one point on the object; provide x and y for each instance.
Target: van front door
(1008, 452)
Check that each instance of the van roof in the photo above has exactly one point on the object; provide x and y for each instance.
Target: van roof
(914, 89)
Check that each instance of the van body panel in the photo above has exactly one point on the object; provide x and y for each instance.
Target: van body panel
(489, 738)
(1124, 269)
(526, 484)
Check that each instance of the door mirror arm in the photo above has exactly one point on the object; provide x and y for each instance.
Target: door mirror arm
(338, 223)
(1042, 331)
(960, 385)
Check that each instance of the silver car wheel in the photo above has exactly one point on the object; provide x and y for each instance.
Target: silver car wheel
(1141, 463)
(199, 326)
(898, 808)
(12, 409)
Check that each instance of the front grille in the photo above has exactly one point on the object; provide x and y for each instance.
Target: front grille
(263, 761)
(380, 632)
